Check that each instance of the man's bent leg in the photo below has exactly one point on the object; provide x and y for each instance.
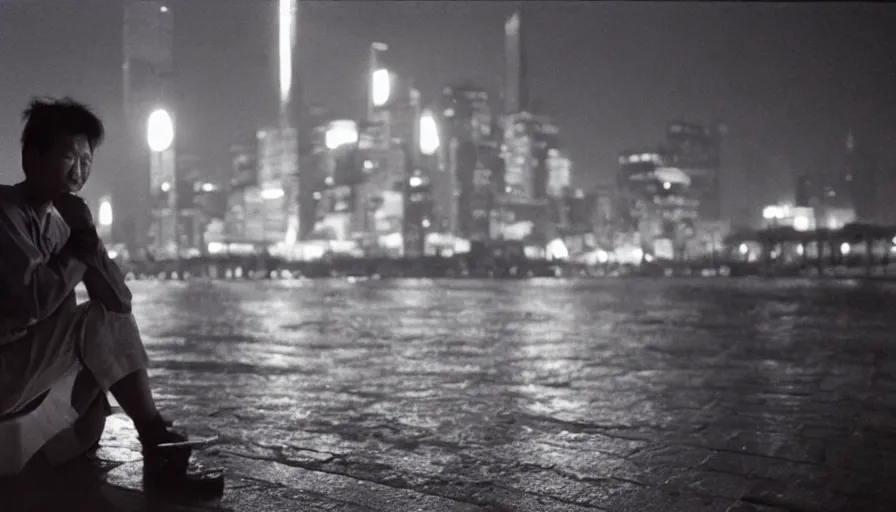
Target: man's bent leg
(35, 363)
(110, 346)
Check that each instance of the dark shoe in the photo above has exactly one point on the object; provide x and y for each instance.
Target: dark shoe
(159, 459)
(166, 469)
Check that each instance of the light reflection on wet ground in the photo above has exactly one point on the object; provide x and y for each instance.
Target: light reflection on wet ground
(534, 395)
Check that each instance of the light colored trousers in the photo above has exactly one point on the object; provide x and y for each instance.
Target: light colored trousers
(107, 344)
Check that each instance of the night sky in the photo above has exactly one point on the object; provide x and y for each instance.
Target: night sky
(789, 80)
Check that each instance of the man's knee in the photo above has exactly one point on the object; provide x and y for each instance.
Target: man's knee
(109, 343)
(99, 325)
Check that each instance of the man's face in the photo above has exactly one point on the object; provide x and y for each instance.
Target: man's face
(63, 168)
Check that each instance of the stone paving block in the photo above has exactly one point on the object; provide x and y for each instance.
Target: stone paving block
(791, 496)
(754, 466)
(707, 483)
(650, 498)
(741, 506)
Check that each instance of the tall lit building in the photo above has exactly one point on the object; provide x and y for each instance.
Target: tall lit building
(559, 172)
(552, 172)
(535, 170)
(463, 191)
(188, 177)
(520, 134)
(389, 155)
(516, 93)
(660, 205)
(242, 200)
(148, 84)
(335, 153)
(695, 150)
(861, 182)
(278, 181)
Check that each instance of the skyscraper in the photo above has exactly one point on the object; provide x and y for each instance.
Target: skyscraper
(695, 149)
(659, 201)
(148, 84)
(463, 189)
(861, 181)
(516, 93)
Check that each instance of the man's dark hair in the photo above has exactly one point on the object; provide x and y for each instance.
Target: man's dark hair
(46, 119)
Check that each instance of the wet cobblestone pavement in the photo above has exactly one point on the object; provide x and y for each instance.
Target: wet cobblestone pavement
(616, 395)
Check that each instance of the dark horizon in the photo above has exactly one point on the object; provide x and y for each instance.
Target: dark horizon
(789, 80)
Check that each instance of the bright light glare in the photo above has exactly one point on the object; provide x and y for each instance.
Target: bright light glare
(415, 181)
(166, 186)
(845, 248)
(159, 130)
(602, 256)
(800, 250)
(216, 248)
(286, 38)
(105, 213)
(340, 133)
(272, 193)
(380, 87)
(667, 185)
(801, 223)
(743, 249)
(557, 250)
(429, 133)
(208, 187)
(425, 223)
(163, 8)
(392, 241)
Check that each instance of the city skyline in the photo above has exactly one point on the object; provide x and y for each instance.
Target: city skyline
(625, 79)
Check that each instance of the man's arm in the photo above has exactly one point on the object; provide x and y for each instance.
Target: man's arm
(103, 279)
(30, 289)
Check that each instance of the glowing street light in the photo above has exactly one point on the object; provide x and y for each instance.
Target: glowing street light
(429, 133)
(105, 213)
(380, 87)
(159, 130)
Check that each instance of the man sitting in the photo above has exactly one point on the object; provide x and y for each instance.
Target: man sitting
(49, 244)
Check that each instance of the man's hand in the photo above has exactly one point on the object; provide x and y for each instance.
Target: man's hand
(83, 241)
(75, 212)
